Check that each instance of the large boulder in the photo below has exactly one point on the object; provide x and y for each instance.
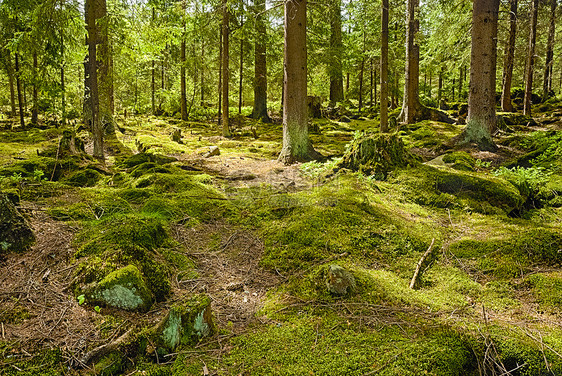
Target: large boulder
(124, 288)
(15, 233)
(185, 324)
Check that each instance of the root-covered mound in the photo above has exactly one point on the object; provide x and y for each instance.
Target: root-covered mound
(376, 154)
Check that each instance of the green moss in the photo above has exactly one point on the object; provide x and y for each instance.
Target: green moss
(547, 289)
(14, 314)
(111, 364)
(140, 158)
(123, 288)
(83, 178)
(15, 233)
(460, 160)
(328, 345)
(148, 168)
(45, 362)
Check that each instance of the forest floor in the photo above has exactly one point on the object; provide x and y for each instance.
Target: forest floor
(256, 236)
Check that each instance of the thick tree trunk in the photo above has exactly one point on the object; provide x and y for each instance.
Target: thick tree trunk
(384, 67)
(481, 122)
(35, 108)
(225, 69)
(530, 59)
(19, 89)
(296, 144)
(547, 80)
(507, 76)
(336, 51)
(91, 28)
(105, 69)
(183, 85)
(260, 65)
(411, 107)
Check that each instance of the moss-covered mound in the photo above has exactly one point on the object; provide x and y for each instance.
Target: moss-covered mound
(15, 233)
(376, 154)
(445, 188)
(123, 289)
(141, 158)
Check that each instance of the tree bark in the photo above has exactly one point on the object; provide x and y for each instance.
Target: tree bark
(336, 51)
(219, 112)
(241, 73)
(530, 59)
(507, 76)
(384, 67)
(296, 143)
(260, 65)
(547, 79)
(91, 28)
(153, 74)
(481, 122)
(105, 69)
(183, 85)
(225, 68)
(62, 80)
(35, 108)
(411, 108)
(10, 71)
(440, 88)
(19, 89)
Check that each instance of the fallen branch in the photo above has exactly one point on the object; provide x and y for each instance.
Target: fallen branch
(102, 350)
(417, 276)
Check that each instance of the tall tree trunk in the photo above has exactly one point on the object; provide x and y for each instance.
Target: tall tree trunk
(225, 68)
(384, 67)
(219, 114)
(105, 69)
(92, 30)
(260, 65)
(35, 109)
(371, 84)
(530, 58)
(547, 80)
(460, 83)
(153, 74)
(19, 89)
(240, 83)
(62, 83)
(507, 76)
(10, 71)
(296, 144)
(411, 108)
(481, 120)
(440, 88)
(183, 85)
(202, 72)
(336, 51)
(453, 89)
(361, 75)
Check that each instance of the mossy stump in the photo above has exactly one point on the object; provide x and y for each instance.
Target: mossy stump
(185, 324)
(338, 280)
(124, 289)
(376, 154)
(15, 233)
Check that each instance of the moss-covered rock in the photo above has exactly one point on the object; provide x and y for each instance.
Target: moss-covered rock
(338, 280)
(376, 154)
(460, 160)
(141, 158)
(84, 178)
(440, 187)
(15, 233)
(547, 289)
(185, 324)
(124, 289)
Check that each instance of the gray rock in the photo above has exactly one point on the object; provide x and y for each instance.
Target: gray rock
(213, 150)
(338, 280)
(15, 233)
(124, 289)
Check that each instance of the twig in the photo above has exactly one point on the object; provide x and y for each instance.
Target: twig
(414, 281)
(104, 349)
(56, 160)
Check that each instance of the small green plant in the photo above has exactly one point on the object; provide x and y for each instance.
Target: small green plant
(97, 309)
(38, 175)
(16, 177)
(530, 181)
(81, 299)
(482, 164)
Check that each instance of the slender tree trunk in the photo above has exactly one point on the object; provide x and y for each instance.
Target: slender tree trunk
(62, 83)
(453, 90)
(91, 28)
(440, 88)
(260, 65)
(296, 144)
(35, 109)
(153, 74)
(507, 76)
(481, 122)
(371, 84)
(19, 89)
(183, 85)
(411, 108)
(384, 67)
(547, 80)
(361, 75)
(430, 84)
(240, 83)
(225, 68)
(220, 74)
(530, 58)
(202, 72)
(336, 51)
(10, 71)
(460, 83)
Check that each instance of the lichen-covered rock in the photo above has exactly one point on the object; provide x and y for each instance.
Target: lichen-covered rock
(213, 151)
(124, 289)
(376, 154)
(185, 324)
(15, 233)
(338, 280)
